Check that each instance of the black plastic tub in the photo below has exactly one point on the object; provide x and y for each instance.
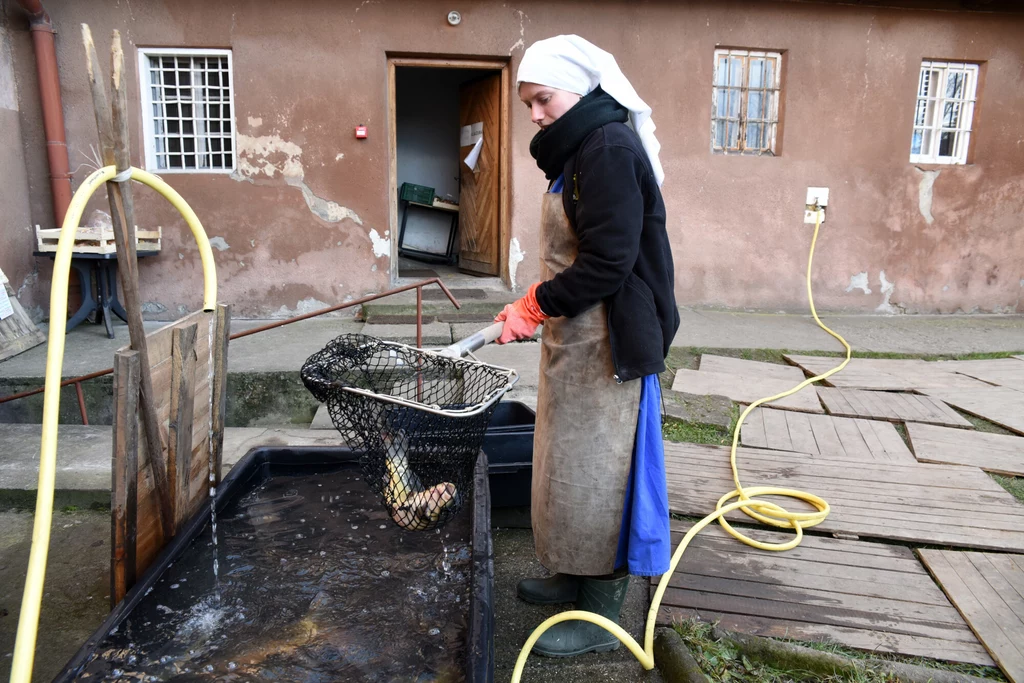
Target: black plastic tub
(256, 467)
(512, 417)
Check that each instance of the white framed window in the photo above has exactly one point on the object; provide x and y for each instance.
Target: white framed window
(943, 113)
(745, 101)
(188, 108)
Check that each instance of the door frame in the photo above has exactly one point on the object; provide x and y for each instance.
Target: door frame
(502, 64)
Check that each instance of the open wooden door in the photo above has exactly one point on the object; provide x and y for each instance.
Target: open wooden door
(479, 190)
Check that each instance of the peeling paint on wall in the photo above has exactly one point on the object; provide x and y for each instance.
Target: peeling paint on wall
(515, 257)
(924, 194)
(269, 155)
(339, 156)
(307, 305)
(859, 281)
(381, 245)
(887, 290)
(255, 121)
(521, 43)
(219, 243)
(325, 209)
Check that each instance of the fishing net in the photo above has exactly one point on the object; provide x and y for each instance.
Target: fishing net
(417, 417)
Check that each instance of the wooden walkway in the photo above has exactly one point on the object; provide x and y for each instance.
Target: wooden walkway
(1004, 372)
(888, 375)
(937, 504)
(892, 406)
(988, 589)
(745, 381)
(1000, 453)
(869, 596)
(1001, 405)
(824, 436)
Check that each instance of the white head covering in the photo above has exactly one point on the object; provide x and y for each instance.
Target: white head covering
(575, 64)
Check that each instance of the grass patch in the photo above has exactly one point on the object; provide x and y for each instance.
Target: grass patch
(721, 662)
(695, 432)
(966, 669)
(1015, 485)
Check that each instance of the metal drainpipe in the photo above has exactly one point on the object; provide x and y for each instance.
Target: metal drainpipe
(53, 111)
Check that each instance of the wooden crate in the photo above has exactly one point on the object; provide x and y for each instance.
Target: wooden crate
(97, 240)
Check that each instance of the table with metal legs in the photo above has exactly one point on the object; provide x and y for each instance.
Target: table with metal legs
(103, 269)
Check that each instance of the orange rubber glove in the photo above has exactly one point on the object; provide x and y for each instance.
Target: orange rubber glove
(521, 318)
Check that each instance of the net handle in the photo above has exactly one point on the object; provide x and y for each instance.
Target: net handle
(437, 410)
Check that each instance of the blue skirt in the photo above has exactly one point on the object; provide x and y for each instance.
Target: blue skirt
(644, 541)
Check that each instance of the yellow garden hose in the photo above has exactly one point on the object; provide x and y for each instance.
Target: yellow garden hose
(763, 511)
(28, 621)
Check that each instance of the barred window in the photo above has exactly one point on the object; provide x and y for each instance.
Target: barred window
(187, 107)
(745, 101)
(942, 117)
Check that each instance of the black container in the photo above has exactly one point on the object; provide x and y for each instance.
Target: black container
(511, 417)
(480, 633)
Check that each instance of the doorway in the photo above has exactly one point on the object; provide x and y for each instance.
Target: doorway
(449, 169)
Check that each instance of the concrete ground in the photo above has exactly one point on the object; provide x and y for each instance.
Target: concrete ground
(77, 595)
(286, 348)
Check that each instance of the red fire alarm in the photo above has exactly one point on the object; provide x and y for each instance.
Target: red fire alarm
(360, 132)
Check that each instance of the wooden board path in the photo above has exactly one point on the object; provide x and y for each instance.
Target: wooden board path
(869, 596)
(1000, 453)
(880, 374)
(1001, 405)
(746, 381)
(1003, 372)
(824, 436)
(890, 405)
(988, 589)
(938, 504)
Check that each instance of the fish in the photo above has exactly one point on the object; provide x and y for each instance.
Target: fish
(412, 506)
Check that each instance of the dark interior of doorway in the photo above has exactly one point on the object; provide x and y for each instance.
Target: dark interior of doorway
(428, 154)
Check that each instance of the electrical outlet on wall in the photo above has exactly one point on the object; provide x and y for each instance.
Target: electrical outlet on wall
(817, 200)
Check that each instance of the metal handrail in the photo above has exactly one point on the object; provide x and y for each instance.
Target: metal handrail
(418, 286)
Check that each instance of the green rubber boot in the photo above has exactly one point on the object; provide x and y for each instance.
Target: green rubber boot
(571, 638)
(552, 590)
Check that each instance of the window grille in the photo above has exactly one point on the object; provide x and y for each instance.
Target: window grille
(188, 110)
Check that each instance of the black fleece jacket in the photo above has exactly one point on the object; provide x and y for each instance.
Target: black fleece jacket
(614, 205)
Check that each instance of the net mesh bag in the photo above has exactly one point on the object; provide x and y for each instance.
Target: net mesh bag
(417, 418)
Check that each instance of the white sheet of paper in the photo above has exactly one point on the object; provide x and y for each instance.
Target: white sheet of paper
(465, 136)
(474, 156)
(6, 310)
(476, 132)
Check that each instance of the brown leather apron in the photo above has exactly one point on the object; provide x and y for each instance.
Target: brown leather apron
(586, 424)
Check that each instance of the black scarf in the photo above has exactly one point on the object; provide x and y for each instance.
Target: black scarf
(552, 146)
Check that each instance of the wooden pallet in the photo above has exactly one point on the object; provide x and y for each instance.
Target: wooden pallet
(1002, 405)
(988, 589)
(890, 405)
(824, 436)
(869, 596)
(935, 504)
(1003, 372)
(746, 381)
(188, 361)
(90, 240)
(1000, 453)
(879, 374)
(17, 331)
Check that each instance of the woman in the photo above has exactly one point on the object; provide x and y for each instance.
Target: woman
(600, 506)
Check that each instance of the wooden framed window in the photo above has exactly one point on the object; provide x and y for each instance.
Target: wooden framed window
(187, 109)
(943, 113)
(745, 101)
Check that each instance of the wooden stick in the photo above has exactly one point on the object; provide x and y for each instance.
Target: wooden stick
(114, 149)
(183, 400)
(220, 383)
(124, 494)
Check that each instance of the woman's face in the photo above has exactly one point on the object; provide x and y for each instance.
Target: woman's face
(546, 104)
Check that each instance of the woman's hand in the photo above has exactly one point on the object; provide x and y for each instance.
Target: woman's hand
(521, 318)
